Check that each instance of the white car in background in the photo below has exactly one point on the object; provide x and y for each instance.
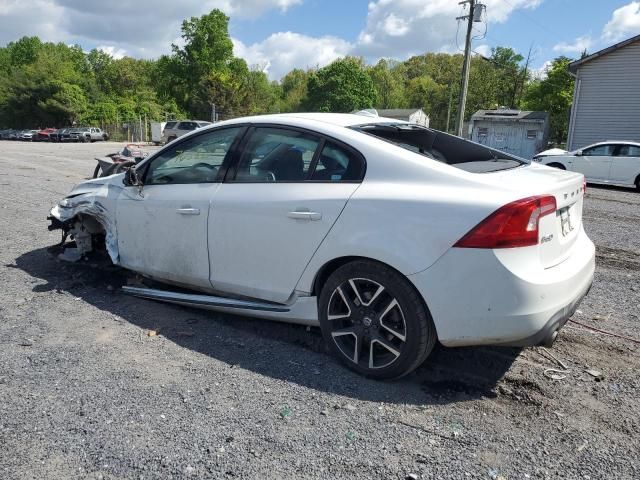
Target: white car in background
(175, 129)
(612, 162)
(389, 236)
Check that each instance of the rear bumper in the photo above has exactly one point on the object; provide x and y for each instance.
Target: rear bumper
(482, 297)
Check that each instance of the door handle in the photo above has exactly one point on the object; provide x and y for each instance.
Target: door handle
(304, 215)
(188, 211)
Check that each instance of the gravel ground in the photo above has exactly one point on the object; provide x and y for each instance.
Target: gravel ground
(88, 391)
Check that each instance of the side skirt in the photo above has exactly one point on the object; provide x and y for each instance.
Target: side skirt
(303, 311)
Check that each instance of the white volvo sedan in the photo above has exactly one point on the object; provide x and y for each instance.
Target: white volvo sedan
(387, 235)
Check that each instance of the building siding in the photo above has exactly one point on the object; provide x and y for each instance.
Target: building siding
(607, 99)
(511, 136)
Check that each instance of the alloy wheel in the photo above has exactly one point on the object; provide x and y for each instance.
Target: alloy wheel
(367, 323)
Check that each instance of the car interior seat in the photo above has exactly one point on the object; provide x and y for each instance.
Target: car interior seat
(289, 167)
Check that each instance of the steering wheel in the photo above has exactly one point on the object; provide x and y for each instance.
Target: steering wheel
(203, 164)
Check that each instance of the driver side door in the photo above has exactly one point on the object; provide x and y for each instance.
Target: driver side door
(162, 227)
(595, 162)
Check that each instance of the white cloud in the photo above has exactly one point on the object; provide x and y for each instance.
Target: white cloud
(280, 52)
(484, 50)
(625, 22)
(112, 51)
(578, 46)
(542, 72)
(37, 17)
(401, 28)
(144, 28)
(394, 26)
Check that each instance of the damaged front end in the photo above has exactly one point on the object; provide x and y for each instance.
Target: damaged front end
(88, 216)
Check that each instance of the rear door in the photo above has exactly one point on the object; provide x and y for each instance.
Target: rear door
(163, 227)
(595, 162)
(277, 205)
(625, 165)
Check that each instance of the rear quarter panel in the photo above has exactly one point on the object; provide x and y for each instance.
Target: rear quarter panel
(407, 225)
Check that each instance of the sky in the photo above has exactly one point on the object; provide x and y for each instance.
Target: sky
(279, 35)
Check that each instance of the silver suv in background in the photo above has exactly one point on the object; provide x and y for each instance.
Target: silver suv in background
(87, 134)
(175, 129)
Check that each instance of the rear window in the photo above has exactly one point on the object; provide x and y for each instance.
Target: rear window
(442, 147)
(170, 125)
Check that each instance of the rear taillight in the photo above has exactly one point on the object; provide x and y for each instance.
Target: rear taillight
(584, 186)
(514, 225)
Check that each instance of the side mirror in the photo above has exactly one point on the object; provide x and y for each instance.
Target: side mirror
(130, 178)
(579, 153)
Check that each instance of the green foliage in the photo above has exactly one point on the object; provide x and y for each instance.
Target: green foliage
(389, 84)
(293, 93)
(553, 94)
(342, 86)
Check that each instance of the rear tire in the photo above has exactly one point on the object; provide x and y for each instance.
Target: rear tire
(556, 165)
(638, 183)
(375, 321)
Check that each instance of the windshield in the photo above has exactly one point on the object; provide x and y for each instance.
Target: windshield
(442, 147)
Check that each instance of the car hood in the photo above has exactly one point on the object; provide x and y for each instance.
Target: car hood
(552, 152)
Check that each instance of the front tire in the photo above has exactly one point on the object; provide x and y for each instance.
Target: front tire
(375, 321)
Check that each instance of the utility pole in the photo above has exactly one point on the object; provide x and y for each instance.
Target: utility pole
(213, 113)
(465, 66)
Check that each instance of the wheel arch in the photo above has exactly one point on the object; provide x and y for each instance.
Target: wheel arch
(331, 266)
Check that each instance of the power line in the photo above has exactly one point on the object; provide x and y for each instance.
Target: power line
(532, 19)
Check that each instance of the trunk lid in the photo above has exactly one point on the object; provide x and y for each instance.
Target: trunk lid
(558, 231)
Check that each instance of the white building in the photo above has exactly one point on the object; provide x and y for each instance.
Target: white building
(411, 115)
(518, 132)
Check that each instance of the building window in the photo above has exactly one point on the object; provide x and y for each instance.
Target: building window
(483, 132)
(532, 134)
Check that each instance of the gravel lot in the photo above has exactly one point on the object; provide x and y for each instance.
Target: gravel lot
(86, 392)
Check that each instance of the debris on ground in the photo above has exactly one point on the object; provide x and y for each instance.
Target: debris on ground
(596, 374)
(285, 412)
(70, 254)
(351, 436)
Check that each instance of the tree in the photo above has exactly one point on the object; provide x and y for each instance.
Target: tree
(293, 96)
(553, 94)
(342, 86)
(389, 85)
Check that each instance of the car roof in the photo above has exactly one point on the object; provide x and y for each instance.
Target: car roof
(336, 119)
(624, 142)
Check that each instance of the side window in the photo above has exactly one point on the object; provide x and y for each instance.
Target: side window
(277, 155)
(598, 151)
(628, 151)
(337, 164)
(170, 125)
(196, 160)
(187, 126)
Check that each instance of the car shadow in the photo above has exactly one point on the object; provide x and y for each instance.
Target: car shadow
(615, 188)
(449, 375)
